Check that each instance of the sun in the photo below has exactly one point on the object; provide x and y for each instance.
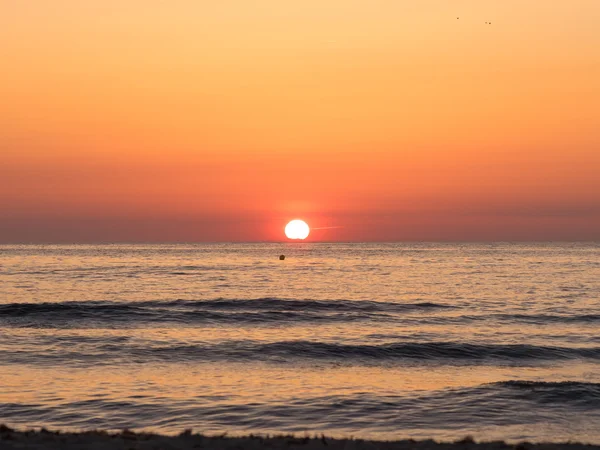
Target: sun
(297, 229)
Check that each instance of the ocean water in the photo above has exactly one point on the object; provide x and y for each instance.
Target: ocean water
(496, 341)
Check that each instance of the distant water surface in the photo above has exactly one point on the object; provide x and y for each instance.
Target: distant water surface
(497, 341)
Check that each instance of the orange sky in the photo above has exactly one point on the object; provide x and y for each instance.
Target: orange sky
(150, 120)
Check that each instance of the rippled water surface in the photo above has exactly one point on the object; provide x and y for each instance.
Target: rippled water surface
(499, 341)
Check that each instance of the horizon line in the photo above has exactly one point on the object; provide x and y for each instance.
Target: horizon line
(295, 242)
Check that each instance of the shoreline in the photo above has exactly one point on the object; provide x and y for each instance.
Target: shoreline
(43, 439)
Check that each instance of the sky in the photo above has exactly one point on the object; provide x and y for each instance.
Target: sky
(379, 120)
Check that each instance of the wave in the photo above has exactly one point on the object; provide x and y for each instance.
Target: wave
(254, 311)
(54, 349)
(549, 318)
(501, 404)
(580, 393)
(227, 304)
(312, 305)
(402, 350)
(530, 319)
(219, 311)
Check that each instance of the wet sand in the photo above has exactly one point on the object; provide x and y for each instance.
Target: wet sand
(97, 440)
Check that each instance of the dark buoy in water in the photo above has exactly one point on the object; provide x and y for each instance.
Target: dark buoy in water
(281, 257)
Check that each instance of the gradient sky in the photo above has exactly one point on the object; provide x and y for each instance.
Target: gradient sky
(187, 120)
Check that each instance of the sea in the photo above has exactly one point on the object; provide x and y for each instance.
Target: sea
(497, 341)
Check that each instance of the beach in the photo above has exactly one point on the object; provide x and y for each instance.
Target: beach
(127, 440)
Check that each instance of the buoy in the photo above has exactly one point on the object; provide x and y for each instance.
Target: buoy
(281, 257)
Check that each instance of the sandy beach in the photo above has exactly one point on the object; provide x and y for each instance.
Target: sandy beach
(11, 439)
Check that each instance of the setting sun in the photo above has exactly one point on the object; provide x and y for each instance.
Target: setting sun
(297, 229)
